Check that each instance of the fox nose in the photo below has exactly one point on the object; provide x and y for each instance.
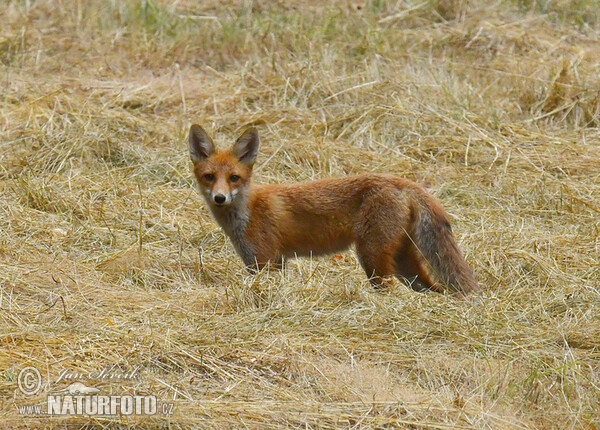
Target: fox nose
(219, 198)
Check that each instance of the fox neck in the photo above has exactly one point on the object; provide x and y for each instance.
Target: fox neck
(233, 220)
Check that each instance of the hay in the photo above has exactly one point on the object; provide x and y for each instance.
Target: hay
(109, 257)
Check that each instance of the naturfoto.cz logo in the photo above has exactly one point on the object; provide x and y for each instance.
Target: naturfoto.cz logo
(79, 399)
(29, 380)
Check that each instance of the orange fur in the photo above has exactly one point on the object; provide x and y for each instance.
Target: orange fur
(398, 227)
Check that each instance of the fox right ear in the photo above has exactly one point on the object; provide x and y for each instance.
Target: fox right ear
(246, 146)
(201, 145)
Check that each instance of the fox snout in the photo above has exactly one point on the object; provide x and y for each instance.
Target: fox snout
(222, 199)
(219, 199)
(220, 192)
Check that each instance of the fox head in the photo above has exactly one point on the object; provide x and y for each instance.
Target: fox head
(223, 175)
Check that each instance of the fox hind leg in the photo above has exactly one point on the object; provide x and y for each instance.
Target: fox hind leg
(410, 268)
(378, 263)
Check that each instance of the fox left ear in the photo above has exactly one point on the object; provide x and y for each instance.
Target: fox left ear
(246, 146)
(201, 145)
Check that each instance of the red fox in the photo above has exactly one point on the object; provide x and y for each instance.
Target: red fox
(398, 228)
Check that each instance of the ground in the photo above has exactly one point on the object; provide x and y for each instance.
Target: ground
(109, 257)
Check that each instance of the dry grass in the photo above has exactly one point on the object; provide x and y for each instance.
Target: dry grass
(108, 255)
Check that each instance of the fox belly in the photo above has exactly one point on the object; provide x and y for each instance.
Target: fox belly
(318, 238)
(289, 235)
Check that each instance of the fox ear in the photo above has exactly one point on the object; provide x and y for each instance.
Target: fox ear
(201, 145)
(246, 147)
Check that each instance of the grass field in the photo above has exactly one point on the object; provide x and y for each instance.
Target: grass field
(108, 255)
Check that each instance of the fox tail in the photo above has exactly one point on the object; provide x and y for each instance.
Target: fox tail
(435, 241)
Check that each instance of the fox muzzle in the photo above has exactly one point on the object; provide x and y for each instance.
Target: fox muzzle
(219, 199)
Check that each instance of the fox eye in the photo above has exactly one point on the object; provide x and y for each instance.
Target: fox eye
(209, 177)
(234, 178)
